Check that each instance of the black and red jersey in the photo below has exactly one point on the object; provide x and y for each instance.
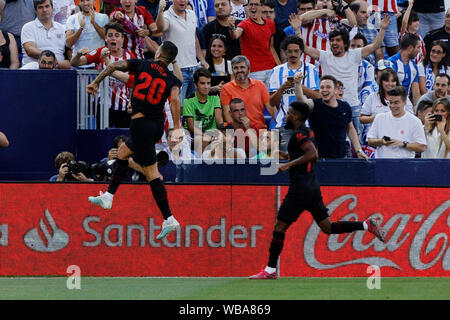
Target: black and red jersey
(298, 140)
(153, 83)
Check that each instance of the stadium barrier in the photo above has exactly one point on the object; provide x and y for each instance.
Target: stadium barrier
(225, 231)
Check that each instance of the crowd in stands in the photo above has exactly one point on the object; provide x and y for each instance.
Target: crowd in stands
(375, 73)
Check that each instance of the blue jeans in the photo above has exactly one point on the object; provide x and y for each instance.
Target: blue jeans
(391, 35)
(430, 21)
(356, 111)
(188, 82)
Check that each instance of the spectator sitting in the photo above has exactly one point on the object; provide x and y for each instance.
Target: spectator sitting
(139, 25)
(435, 61)
(268, 147)
(178, 147)
(442, 34)
(3, 140)
(219, 67)
(102, 57)
(330, 119)
(404, 65)
(397, 134)
(423, 108)
(9, 56)
(44, 34)
(437, 131)
(46, 61)
(86, 28)
(410, 24)
(63, 9)
(108, 6)
(15, 15)
(61, 164)
(220, 26)
(256, 35)
(222, 146)
(202, 109)
(245, 135)
(441, 87)
(253, 92)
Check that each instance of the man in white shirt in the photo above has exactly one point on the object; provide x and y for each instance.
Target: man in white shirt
(86, 28)
(343, 64)
(44, 33)
(178, 25)
(46, 61)
(397, 134)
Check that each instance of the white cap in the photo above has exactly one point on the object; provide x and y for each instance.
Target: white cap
(384, 64)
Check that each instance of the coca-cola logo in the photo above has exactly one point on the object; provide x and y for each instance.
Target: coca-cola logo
(396, 238)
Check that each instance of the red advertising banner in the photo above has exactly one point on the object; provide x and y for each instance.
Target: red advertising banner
(44, 228)
(417, 222)
(225, 231)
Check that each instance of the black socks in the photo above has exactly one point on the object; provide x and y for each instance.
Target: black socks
(160, 196)
(119, 174)
(346, 226)
(275, 248)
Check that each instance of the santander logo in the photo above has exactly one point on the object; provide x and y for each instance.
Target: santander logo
(54, 238)
(421, 243)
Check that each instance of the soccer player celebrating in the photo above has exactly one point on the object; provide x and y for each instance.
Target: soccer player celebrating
(304, 190)
(153, 85)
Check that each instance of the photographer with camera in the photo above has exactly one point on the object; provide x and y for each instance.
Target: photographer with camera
(68, 168)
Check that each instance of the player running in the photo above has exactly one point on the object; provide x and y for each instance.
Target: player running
(153, 85)
(304, 191)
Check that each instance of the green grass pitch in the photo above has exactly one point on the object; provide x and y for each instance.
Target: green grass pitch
(55, 288)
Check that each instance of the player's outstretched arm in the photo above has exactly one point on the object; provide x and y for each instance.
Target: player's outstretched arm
(175, 106)
(121, 65)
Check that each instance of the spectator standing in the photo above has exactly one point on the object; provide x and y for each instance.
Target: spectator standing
(342, 63)
(269, 13)
(86, 28)
(119, 94)
(431, 15)
(44, 34)
(63, 9)
(406, 68)
(219, 67)
(437, 131)
(204, 10)
(435, 61)
(387, 7)
(178, 25)
(15, 15)
(283, 10)
(238, 10)
(256, 36)
(253, 92)
(9, 56)
(330, 119)
(220, 26)
(410, 24)
(282, 85)
(441, 87)
(367, 29)
(139, 25)
(397, 134)
(442, 34)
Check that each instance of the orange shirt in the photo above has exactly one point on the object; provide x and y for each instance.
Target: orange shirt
(254, 97)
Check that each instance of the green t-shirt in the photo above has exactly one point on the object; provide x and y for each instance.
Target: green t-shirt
(203, 112)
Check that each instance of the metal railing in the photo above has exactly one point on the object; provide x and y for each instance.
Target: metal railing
(92, 111)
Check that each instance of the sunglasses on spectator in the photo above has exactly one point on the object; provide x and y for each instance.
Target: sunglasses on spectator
(218, 35)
